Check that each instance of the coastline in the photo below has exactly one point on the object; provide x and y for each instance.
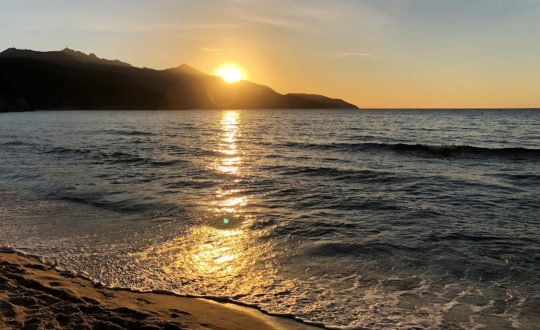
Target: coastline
(34, 295)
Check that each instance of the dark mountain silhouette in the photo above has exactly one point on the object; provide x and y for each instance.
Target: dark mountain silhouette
(70, 79)
(65, 56)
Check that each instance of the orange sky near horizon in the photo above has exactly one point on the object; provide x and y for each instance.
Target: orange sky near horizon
(373, 53)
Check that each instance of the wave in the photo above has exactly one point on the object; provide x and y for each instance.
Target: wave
(15, 143)
(326, 171)
(349, 175)
(63, 150)
(522, 178)
(478, 237)
(123, 204)
(456, 150)
(114, 157)
(332, 249)
(130, 132)
(426, 149)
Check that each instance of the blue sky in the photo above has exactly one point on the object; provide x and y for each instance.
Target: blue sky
(376, 53)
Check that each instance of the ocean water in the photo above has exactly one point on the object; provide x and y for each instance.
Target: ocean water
(351, 219)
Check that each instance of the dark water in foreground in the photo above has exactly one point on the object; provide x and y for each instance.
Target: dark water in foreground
(383, 219)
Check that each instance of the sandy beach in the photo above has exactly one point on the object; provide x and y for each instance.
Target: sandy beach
(36, 296)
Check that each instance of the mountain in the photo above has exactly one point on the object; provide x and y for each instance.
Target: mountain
(64, 56)
(70, 79)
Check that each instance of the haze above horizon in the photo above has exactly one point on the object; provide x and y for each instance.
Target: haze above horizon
(374, 53)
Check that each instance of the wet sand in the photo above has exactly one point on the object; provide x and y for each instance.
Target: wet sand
(36, 296)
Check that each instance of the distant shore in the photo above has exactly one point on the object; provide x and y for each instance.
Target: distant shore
(35, 296)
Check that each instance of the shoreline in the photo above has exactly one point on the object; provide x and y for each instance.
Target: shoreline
(34, 295)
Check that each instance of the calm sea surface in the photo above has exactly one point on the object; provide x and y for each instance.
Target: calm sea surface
(379, 219)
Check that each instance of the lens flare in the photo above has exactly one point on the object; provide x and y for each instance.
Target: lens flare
(231, 73)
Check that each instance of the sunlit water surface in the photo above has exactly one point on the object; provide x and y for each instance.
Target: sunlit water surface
(380, 219)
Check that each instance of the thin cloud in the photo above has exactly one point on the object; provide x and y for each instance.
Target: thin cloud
(286, 8)
(271, 22)
(304, 17)
(351, 55)
(162, 27)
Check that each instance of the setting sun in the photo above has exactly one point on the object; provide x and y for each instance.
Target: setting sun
(230, 73)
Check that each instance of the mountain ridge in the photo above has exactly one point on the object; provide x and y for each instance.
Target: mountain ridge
(70, 79)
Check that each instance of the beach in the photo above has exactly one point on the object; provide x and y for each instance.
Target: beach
(34, 295)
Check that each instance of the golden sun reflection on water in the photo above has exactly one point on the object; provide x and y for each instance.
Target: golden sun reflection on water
(229, 200)
(220, 246)
(218, 251)
(215, 250)
(226, 240)
(230, 162)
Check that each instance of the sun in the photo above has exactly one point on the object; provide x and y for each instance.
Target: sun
(230, 73)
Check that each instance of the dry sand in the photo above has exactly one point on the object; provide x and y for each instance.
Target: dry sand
(35, 296)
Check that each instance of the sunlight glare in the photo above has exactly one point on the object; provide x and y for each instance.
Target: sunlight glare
(231, 73)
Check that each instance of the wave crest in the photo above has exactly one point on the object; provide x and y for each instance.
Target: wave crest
(425, 149)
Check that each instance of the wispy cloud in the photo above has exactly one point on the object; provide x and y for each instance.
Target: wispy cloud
(351, 55)
(278, 23)
(188, 27)
(305, 9)
(300, 16)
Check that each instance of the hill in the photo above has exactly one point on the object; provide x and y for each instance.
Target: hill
(70, 79)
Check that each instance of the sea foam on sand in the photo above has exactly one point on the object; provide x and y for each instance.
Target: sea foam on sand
(36, 296)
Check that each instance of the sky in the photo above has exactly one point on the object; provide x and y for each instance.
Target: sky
(373, 53)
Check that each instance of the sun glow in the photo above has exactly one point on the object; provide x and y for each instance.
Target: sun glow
(230, 73)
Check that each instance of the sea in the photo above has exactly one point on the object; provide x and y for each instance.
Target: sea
(351, 219)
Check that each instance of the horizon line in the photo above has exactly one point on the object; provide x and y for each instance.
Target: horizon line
(449, 108)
